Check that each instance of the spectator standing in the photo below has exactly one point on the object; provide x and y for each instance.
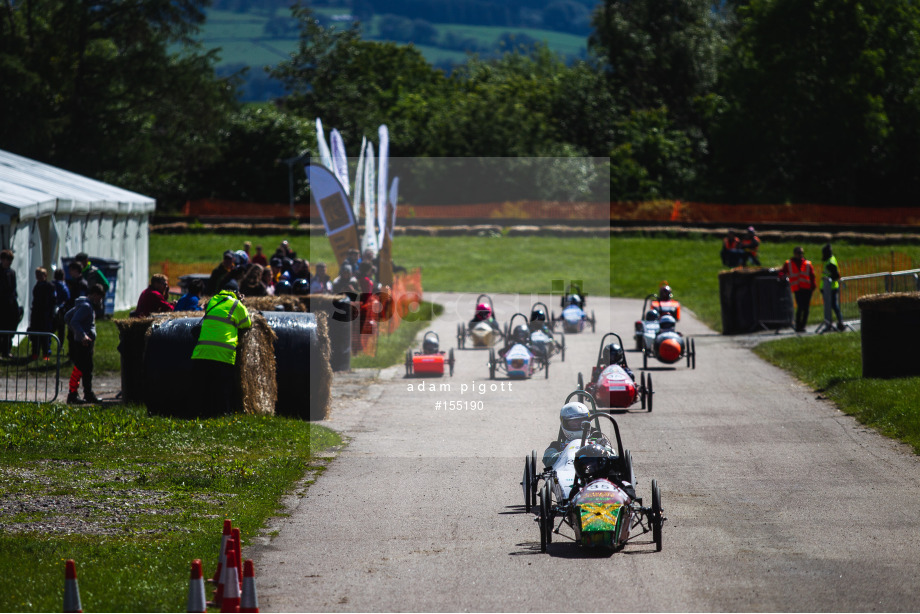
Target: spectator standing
(41, 316)
(247, 247)
(345, 282)
(220, 273)
(732, 254)
(259, 257)
(801, 275)
(153, 299)
(61, 297)
(82, 323)
(831, 276)
(215, 352)
(93, 275)
(268, 282)
(252, 284)
(300, 269)
(10, 314)
(366, 279)
(321, 283)
(190, 300)
(749, 245)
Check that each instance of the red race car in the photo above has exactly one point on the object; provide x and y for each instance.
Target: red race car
(430, 361)
(612, 383)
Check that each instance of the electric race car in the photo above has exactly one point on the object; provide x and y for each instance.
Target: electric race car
(591, 489)
(612, 383)
(655, 336)
(542, 335)
(483, 330)
(430, 361)
(519, 359)
(574, 318)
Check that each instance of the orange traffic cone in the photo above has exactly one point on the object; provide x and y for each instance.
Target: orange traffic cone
(230, 600)
(196, 601)
(223, 551)
(237, 544)
(71, 590)
(249, 601)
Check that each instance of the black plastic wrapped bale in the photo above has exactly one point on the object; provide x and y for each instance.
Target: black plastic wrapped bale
(132, 335)
(753, 299)
(890, 334)
(340, 332)
(170, 387)
(304, 373)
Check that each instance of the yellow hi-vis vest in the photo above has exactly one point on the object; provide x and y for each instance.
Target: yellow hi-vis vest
(224, 315)
(835, 284)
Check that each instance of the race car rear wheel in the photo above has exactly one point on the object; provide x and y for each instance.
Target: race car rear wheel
(546, 367)
(461, 335)
(593, 321)
(543, 520)
(581, 381)
(643, 394)
(408, 362)
(645, 359)
(527, 484)
(491, 363)
(547, 505)
(650, 391)
(656, 515)
(562, 345)
(450, 360)
(689, 343)
(693, 346)
(533, 478)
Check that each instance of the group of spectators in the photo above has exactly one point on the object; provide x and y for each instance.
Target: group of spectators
(740, 251)
(254, 274)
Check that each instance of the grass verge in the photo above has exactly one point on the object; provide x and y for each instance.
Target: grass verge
(133, 498)
(832, 365)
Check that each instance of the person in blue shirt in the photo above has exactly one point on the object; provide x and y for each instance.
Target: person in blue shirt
(190, 300)
(61, 298)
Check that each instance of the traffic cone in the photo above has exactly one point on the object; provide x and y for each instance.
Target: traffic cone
(71, 590)
(223, 551)
(249, 601)
(196, 602)
(230, 600)
(238, 546)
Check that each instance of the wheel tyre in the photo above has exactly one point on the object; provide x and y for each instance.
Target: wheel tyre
(450, 361)
(656, 515)
(546, 368)
(491, 363)
(547, 502)
(527, 484)
(651, 392)
(593, 321)
(643, 391)
(689, 352)
(562, 339)
(543, 520)
(408, 362)
(628, 474)
(693, 345)
(533, 478)
(644, 359)
(581, 381)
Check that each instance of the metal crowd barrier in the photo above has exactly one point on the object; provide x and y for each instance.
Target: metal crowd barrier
(853, 287)
(27, 376)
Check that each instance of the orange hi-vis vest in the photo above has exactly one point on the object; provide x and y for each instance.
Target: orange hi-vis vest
(800, 278)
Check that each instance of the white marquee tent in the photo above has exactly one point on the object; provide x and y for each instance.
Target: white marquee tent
(47, 213)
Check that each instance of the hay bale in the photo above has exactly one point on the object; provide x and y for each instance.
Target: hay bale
(170, 387)
(889, 334)
(302, 359)
(287, 302)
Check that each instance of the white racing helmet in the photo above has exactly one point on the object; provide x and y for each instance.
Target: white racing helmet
(572, 416)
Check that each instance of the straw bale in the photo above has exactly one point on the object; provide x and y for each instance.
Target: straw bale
(895, 302)
(255, 366)
(320, 370)
(287, 302)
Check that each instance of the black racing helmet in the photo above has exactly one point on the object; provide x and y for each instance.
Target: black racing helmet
(430, 343)
(651, 315)
(283, 287)
(574, 299)
(520, 334)
(664, 293)
(668, 323)
(593, 461)
(613, 354)
(538, 315)
(301, 287)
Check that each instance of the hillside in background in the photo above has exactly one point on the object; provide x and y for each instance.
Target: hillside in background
(255, 34)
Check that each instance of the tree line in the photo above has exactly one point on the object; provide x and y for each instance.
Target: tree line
(744, 101)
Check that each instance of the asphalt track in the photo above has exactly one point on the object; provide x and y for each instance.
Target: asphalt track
(775, 500)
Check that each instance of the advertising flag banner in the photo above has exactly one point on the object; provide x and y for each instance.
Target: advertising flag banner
(331, 201)
(384, 155)
(359, 182)
(339, 160)
(394, 198)
(324, 154)
(370, 202)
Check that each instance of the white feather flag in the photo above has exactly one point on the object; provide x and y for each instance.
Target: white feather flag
(340, 160)
(393, 198)
(370, 202)
(324, 155)
(359, 181)
(384, 153)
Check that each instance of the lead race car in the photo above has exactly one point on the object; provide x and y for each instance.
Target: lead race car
(431, 360)
(612, 383)
(483, 330)
(591, 489)
(519, 359)
(656, 336)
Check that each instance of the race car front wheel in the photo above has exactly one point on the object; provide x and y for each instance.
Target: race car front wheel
(657, 519)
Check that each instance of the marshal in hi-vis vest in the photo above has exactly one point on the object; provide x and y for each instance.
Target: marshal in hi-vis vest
(835, 283)
(223, 317)
(800, 278)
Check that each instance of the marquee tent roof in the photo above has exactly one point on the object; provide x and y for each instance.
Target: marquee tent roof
(30, 189)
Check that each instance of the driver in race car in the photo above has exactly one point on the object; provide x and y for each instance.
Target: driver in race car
(538, 321)
(595, 462)
(520, 335)
(571, 418)
(613, 354)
